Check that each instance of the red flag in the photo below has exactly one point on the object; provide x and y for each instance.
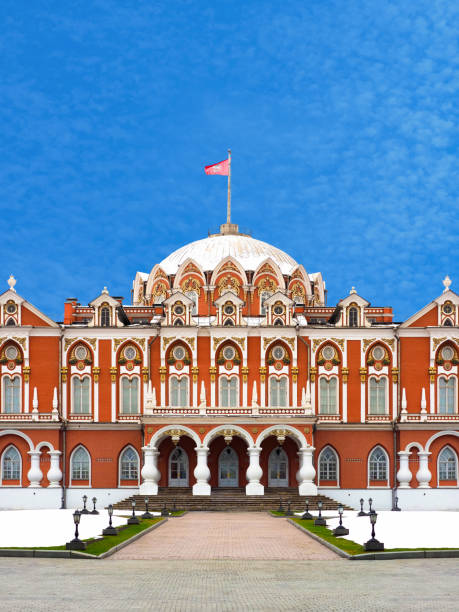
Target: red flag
(220, 168)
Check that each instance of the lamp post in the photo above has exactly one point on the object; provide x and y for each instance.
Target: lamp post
(373, 544)
(320, 519)
(307, 516)
(110, 530)
(396, 508)
(164, 511)
(146, 514)
(289, 509)
(281, 508)
(174, 508)
(370, 502)
(340, 530)
(133, 520)
(76, 543)
(85, 510)
(94, 511)
(361, 513)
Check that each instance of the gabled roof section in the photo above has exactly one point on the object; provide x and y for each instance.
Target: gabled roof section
(104, 298)
(38, 318)
(178, 296)
(354, 297)
(278, 297)
(421, 317)
(229, 296)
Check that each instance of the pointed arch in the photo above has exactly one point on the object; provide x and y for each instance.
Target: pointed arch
(188, 267)
(128, 467)
(11, 467)
(268, 266)
(15, 432)
(378, 466)
(447, 466)
(157, 274)
(80, 466)
(328, 465)
(233, 266)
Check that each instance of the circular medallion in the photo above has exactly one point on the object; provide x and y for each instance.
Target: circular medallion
(447, 353)
(229, 365)
(229, 353)
(81, 352)
(328, 352)
(81, 365)
(179, 353)
(378, 366)
(11, 352)
(447, 366)
(328, 366)
(130, 353)
(129, 366)
(278, 365)
(278, 352)
(179, 365)
(11, 365)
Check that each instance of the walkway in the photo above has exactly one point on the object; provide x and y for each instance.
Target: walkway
(226, 535)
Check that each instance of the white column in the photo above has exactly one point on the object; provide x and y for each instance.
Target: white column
(64, 400)
(163, 393)
(113, 392)
(195, 391)
(394, 400)
(263, 393)
(150, 472)
(35, 475)
(432, 397)
(244, 392)
(201, 472)
(313, 396)
(404, 473)
(423, 475)
(254, 472)
(96, 400)
(54, 473)
(344, 391)
(213, 385)
(26, 396)
(306, 473)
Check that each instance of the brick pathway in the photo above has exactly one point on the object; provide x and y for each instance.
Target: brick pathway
(232, 535)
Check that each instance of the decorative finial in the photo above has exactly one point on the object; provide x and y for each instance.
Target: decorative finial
(446, 282)
(352, 291)
(12, 282)
(105, 291)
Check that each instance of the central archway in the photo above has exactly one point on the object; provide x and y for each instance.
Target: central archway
(178, 468)
(278, 468)
(228, 468)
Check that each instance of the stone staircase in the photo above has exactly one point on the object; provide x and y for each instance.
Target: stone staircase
(226, 500)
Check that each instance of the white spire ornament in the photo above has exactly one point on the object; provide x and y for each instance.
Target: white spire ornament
(446, 283)
(55, 411)
(254, 394)
(12, 283)
(404, 411)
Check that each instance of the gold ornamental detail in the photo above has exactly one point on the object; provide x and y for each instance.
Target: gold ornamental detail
(91, 341)
(195, 372)
(363, 374)
(145, 374)
(140, 342)
(26, 373)
(64, 372)
(68, 342)
(191, 284)
(395, 373)
(162, 373)
(432, 374)
(212, 372)
(437, 341)
(113, 372)
(262, 371)
(294, 374)
(345, 373)
(312, 374)
(240, 341)
(176, 434)
(366, 343)
(190, 342)
(228, 435)
(22, 341)
(245, 372)
(217, 342)
(167, 341)
(96, 373)
(316, 342)
(117, 342)
(390, 342)
(290, 341)
(280, 434)
(267, 342)
(339, 342)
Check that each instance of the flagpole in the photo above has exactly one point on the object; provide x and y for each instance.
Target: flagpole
(228, 213)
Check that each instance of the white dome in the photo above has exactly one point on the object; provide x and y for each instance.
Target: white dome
(209, 252)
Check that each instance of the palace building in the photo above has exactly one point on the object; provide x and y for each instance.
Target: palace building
(229, 370)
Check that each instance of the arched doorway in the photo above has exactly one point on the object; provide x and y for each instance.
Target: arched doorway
(228, 468)
(178, 468)
(278, 468)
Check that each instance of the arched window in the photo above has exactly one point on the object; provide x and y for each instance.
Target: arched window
(129, 465)
(193, 296)
(11, 464)
(11, 394)
(81, 400)
(278, 468)
(130, 395)
(279, 322)
(377, 465)
(178, 322)
(11, 322)
(328, 465)
(80, 464)
(105, 316)
(228, 323)
(263, 297)
(446, 395)
(178, 392)
(328, 395)
(278, 391)
(377, 403)
(229, 392)
(353, 317)
(447, 465)
(447, 323)
(178, 468)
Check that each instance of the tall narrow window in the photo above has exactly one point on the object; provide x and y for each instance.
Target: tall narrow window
(11, 394)
(328, 396)
(81, 403)
(178, 391)
(447, 395)
(263, 297)
(328, 465)
(129, 465)
(229, 392)
(378, 465)
(105, 316)
(377, 396)
(11, 464)
(130, 395)
(447, 465)
(353, 317)
(80, 464)
(194, 298)
(278, 391)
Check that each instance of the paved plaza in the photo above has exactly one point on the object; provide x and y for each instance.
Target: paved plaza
(222, 535)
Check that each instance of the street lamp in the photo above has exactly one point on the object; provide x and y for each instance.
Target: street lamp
(164, 511)
(110, 530)
(307, 516)
(281, 508)
(85, 510)
(146, 514)
(76, 543)
(362, 512)
(396, 508)
(320, 519)
(289, 509)
(340, 530)
(94, 499)
(133, 520)
(373, 544)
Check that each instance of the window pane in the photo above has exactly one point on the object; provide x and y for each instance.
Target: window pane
(80, 465)
(233, 393)
(174, 394)
(283, 392)
(11, 467)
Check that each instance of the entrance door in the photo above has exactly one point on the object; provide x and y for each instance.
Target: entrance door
(178, 468)
(278, 468)
(228, 468)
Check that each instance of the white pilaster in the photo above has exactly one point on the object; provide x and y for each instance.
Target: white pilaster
(54, 473)
(34, 475)
(150, 472)
(362, 402)
(201, 472)
(254, 472)
(404, 473)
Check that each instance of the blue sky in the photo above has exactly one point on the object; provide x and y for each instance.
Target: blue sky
(342, 117)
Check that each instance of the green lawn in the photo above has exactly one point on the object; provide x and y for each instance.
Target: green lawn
(97, 546)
